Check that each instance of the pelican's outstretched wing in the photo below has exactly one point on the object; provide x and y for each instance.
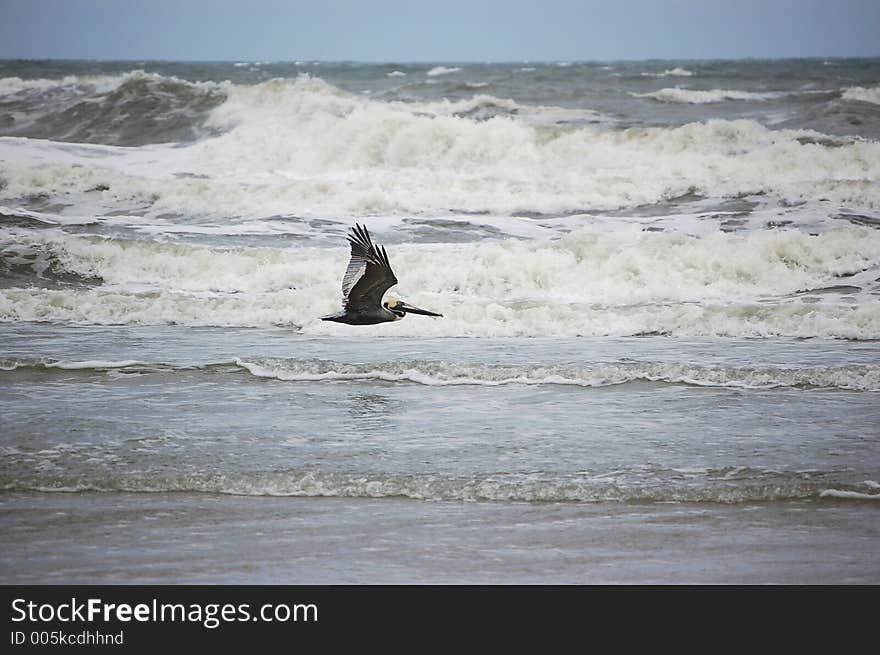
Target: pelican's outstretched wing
(368, 275)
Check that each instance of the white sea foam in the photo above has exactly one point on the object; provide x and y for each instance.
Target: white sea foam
(671, 72)
(623, 267)
(92, 364)
(175, 267)
(464, 106)
(863, 94)
(586, 283)
(694, 96)
(396, 74)
(442, 70)
(304, 147)
(865, 378)
(100, 83)
(483, 105)
(622, 486)
(857, 378)
(474, 319)
(849, 495)
(96, 83)
(95, 364)
(11, 85)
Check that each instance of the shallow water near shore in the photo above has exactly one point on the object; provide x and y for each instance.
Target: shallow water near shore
(169, 458)
(189, 538)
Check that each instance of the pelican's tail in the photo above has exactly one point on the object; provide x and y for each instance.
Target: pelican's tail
(334, 317)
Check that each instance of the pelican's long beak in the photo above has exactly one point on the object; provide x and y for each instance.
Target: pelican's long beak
(409, 309)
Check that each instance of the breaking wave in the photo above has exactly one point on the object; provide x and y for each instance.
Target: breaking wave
(863, 378)
(712, 486)
(133, 109)
(671, 72)
(863, 94)
(856, 378)
(304, 147)
(696, 97)
(779, 282)
(442, 70)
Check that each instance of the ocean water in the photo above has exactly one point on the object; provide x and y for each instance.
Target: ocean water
(659, 359)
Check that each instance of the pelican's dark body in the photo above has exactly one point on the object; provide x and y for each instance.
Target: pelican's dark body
(366, 280)
(380, 315)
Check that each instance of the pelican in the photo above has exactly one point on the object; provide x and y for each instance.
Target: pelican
(366, 280)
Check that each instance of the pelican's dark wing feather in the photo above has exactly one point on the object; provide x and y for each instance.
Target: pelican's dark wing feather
(368, 275)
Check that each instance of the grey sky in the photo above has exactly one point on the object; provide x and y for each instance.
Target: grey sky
(441, 30)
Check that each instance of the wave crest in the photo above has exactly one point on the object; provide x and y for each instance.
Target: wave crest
(855, 378)
(671, 72)
(536, 487)
(863, 94)
(442, 70)
(697, 97)
(780, 282)
(302, 146)
(863, 378)
(133, 109)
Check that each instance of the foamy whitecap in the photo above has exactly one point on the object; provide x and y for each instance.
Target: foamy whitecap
(100, 83)
(328, 153)
(586, 283)
(846, 494)
(305, 147)
(429, 373)
(10, 85)
(623, 267)
(671, 72)
(863, 378)
(442, 70)
(93, 364)
(863, 94)
(625, 485)
(694, 96)
(97, 83)
(302, 311)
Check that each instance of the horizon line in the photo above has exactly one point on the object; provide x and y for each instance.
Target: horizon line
(306, 60)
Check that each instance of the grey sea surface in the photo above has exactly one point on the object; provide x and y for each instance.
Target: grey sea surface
(658, 362)
(156, 458)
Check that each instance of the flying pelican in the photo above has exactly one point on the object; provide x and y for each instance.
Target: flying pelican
(366, 280)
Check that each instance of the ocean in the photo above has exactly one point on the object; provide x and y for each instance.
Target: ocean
(658, 362)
